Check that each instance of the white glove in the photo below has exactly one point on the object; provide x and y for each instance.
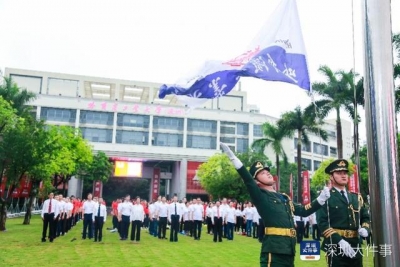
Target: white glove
(236, 162)
(323, 196)
(346, 249)
(363, 232)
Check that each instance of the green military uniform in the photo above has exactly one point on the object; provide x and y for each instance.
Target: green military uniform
(276, 210)
(339, 219)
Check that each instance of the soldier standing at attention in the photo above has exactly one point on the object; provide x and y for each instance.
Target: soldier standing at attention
(276, 210)
(339, 220)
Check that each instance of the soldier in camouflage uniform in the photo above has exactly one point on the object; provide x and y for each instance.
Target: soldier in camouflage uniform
(276, 210)
(342, 219)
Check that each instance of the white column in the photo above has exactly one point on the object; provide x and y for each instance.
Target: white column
(218, 134)
(150, 143)
(184, 132)
(183, 177)
(114, 129)
(251, 136)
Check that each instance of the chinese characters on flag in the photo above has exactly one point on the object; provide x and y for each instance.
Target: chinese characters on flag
(97, 188)
(353, 181)
(306, 187)
(156, 183)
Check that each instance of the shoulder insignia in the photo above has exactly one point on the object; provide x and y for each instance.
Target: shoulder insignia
(307, 207)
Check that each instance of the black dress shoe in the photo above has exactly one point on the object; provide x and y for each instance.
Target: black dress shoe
(43, 239)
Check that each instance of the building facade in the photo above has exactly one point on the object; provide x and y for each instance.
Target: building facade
(128, 121)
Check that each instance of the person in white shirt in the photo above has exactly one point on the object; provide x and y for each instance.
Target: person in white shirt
(230, 221)
(197, 218)
(124, 216)
(49, 211)
(256, 218)
(69, 208)
(316, 235)
(137, 218)
(218, 214)
(248, 213)
(225, 206)
(209, 221)
(88, 207)
(162, 214)
(174, 214)
(239, 219)
(152, 209)
(186, 219)
(99, 218)
(61, 216)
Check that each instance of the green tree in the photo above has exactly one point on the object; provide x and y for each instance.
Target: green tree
(302, 122)
(274, 135)
(284, 179)
(100, 168)
(396, 68)
(220, 179)
(320, 178)
(8, 115)
(249, 157)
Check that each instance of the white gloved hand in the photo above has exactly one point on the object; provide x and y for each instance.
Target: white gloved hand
(346, 249)
(363, 232)
(323, 196)
(236, 162)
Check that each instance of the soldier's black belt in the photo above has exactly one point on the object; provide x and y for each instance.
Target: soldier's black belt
(347, 233)
(280, 231)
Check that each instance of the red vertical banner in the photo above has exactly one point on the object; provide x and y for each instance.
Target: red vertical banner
(16, 192)
(353, 181)
(155, 189)
(193, 185)
(25, 186)
(277, 185)
(306, 188)
(291, 186)
(97, 188)
(3, 186)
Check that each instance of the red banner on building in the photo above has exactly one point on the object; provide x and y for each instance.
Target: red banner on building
(277, 185)
(353, 181)
(25, 186)
(193, 185)
(291, 186)
(97, 188)
(306, 187)
(155, 189)
(3, 186)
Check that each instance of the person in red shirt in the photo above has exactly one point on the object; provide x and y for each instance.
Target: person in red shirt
(114, 212)
(146, 214)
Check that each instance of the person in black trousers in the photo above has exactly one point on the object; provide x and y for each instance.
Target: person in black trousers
(174, 214)
(99, 218)
(49, 211)
(217, 220)
(299, 228)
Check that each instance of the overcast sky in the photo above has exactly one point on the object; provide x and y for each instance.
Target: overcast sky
(160, 40)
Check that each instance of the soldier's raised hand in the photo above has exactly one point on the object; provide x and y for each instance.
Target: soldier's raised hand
(236, 162)
(324, 195)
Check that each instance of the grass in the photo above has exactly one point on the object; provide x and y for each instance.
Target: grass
(20, 246)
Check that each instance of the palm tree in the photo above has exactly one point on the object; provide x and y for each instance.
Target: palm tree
(273, 137)
(302, 122)
(336, 95)
(17, 97)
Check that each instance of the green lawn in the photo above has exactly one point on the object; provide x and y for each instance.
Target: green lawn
(20, 246)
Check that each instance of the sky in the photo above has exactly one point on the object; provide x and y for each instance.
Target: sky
(161, 40)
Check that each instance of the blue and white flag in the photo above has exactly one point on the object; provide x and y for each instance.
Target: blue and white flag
(277, 53)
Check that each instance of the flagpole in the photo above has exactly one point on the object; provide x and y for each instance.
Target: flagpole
(381, 131)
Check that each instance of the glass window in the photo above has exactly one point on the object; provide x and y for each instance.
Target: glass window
(320, 149)
(204, 142)
(97, 117)
(242, 128)
(317, 163)
(97, 135)
(304, 147)
(131, 137)
(165, 139)
(230, 140)
(168, 123)
(242, 145)
(132, 120)
(333, 151)
(227, 130)
(331, 134)
(257, 130)
(58, 114)
(305, 162)
(202, 126)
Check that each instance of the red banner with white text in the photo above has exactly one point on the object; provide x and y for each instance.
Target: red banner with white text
(353, 181)
(25, 187)
(306, 187)
(97, 188)
(155, 189)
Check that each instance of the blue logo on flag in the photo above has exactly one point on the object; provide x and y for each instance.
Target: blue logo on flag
(310, 250)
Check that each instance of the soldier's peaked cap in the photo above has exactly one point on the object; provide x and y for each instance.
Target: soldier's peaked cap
(256, 167)
(337, 165)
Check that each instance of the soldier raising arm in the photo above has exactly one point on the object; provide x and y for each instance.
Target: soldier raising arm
(276, 210)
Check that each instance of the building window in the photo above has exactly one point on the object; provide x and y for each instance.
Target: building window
(257, 130)
(227, 130)
(304, 147)
(204, 142)
(132, 137)
(58, 114)
(97, 117)
(242, 145)
(333, 151)
(228, 140)
(202, 126)
(305, 162)
(129, 120)
(331, 134)
(168, 123)
(320, 149)
(316, 164)
(97, 135)
(242, 128)
(165, 139)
